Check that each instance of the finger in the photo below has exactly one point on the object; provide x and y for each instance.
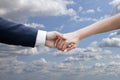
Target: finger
(56, 42)
(71, 44)
(61, 44)
(73, 47)
(65, 46)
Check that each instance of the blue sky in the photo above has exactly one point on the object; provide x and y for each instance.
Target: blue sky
(97, 57)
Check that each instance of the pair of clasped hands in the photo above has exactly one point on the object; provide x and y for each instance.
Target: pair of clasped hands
(69, 41)
(63, 42)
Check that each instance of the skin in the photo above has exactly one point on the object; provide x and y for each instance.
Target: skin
(51, 37)
(73, 38)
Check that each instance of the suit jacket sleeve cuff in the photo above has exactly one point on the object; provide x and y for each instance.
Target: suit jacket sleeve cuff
(41, 38)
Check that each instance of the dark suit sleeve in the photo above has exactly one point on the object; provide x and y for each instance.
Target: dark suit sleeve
(17, 34)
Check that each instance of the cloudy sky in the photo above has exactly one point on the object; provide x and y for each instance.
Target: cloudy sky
(96, 58)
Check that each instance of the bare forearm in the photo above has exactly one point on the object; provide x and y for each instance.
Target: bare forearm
(104, 25)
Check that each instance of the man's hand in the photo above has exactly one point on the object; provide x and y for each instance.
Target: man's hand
(71, 42)
(51, 37)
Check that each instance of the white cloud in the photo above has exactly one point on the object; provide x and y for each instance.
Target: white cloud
(43, 69)
(105, 16)
(81, 58)
(99, 64)
(80, 9)
(115, 34)
(35, 25)
(22, 9)
(60, 28)
(10, 50)
(83, 19)
(84, 61)
(115, 2)
(73, 14)
(110, 68)
(113, 40)
(92, 52)
(72, 60)
(115, 56)
(98, 9)
(90, 11)
(110, 42)
(116, 5)
(113, 63)
(12, 65)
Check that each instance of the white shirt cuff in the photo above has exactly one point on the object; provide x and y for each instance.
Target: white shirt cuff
(41, 38)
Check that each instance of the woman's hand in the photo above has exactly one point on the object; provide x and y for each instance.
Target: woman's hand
(71, 42)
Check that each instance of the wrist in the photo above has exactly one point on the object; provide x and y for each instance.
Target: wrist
(79, 34)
